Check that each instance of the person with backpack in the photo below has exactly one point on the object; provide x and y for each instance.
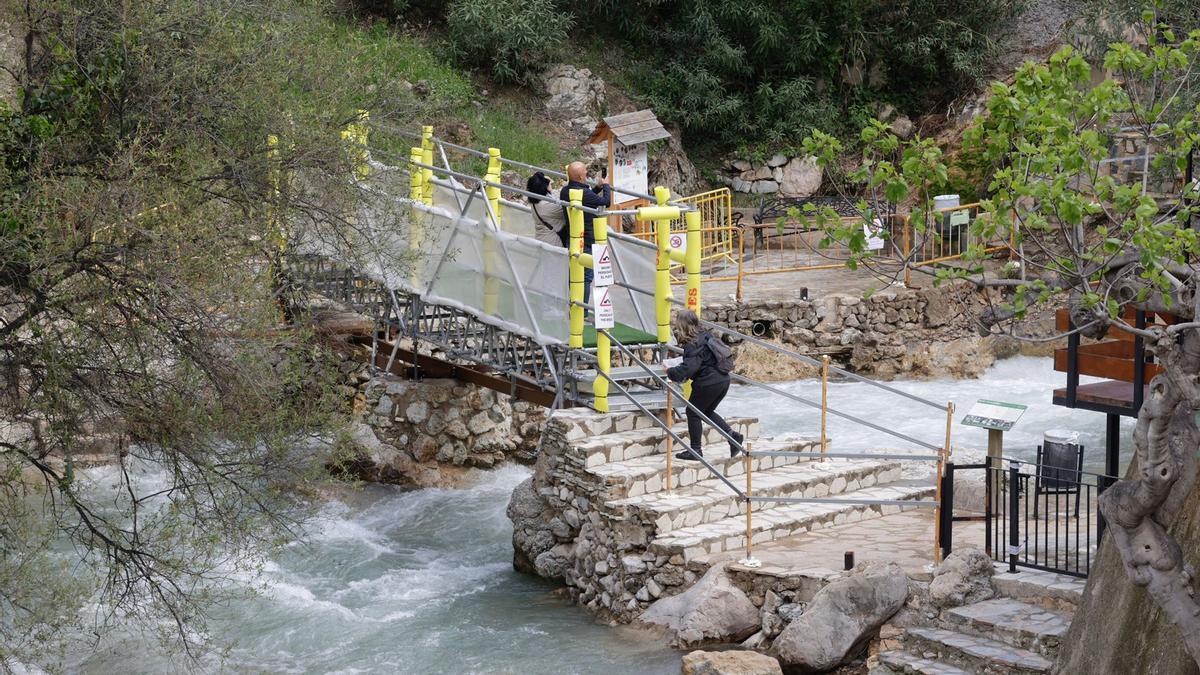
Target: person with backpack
(707, 362)
(550, 221)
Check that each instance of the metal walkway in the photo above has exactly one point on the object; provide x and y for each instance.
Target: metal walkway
(461, 289)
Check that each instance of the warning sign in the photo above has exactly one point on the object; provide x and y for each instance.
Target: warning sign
(678, 241)
(602, 260)
(602, 306)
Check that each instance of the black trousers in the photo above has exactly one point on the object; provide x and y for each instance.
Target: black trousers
(706, 398)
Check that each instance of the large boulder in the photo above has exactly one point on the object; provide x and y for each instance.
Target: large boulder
(740, 662)
(800, 177)
(712, 610)
(573, 95)
(533, 539)
(841, 618)
(965, 576)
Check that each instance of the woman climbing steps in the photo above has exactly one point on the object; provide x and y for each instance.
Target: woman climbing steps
(708, 366)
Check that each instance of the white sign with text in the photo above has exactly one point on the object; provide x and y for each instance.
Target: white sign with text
(602, 264)
(602, 306)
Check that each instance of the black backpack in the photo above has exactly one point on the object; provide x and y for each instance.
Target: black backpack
(722, 353)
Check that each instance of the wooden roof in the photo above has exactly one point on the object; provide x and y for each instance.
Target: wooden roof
(630, 128)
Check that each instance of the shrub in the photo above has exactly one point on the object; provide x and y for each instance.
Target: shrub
(514, 39)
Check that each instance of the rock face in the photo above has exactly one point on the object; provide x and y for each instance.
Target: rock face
(789, 177)
(713, 610)
(740, 662)
(841, 618)
(964, 577)
(538, 540)
(574, 95)
(671, 167)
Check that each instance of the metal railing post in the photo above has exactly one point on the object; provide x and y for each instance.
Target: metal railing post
(824, 404)
(491, 285)
(907, 227)
(1014, 515)
(990, 484)
(670, 420)
(943, 456)
(427, 173)
(575, 269)
(947, 511)
(749, 560)
(692, 261)
(603, 343)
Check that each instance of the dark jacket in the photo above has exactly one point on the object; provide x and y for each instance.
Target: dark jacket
(699, 363)
(591, 199)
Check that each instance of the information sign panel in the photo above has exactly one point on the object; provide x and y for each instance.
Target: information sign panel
(602, 307)
(602, 260)
(994, 415)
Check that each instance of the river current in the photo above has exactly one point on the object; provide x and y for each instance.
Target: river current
(421, 581)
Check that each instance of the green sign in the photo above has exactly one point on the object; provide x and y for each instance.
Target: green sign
(997, 415)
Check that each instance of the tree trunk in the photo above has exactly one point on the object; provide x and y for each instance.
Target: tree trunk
(1138, 613)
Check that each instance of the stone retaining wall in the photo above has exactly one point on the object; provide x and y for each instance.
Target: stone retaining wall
(903, 332)
(427, 430)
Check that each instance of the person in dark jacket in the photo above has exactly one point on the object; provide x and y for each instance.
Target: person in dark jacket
(598, 198)
(709, 384)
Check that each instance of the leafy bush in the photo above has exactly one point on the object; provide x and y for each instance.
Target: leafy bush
(512, 38)
(728, 70)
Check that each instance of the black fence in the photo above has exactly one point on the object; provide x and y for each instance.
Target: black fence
(1040, 515)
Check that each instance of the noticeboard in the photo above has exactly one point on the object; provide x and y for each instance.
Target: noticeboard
(996, 415)
(631, 171)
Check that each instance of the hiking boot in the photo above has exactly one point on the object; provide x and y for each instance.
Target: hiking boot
(690, 455)
(734, 450)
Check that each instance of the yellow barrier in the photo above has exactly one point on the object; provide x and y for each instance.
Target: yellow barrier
(355, 137)
(575, 269)
(662, 267)
(603, 344)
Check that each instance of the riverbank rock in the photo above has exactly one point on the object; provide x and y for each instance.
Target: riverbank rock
(713, 610)
(964, 577)
(533, 539)
(841, 618)
(741, 662)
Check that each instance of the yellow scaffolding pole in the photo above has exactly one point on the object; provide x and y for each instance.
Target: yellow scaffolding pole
(355, 137)
(603, 344)
(491, 284)
(427, 160)
(575, 269)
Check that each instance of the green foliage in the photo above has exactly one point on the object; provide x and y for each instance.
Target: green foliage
(728, 70)
(1080, 229)
(139, 216)
(512, 38)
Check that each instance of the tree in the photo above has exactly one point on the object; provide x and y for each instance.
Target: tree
(1094, 241)
(141, 209)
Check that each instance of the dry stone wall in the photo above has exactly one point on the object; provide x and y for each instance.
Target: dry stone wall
(905, 332)
(427, 430)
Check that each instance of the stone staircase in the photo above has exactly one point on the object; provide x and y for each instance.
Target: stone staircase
(636, 541)
(1016, 633)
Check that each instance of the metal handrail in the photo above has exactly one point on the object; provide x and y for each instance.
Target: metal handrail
(811, 361)
(504, 160)
(625, 392)
(666, 384)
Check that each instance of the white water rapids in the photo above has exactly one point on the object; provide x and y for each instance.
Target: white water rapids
(421, 581)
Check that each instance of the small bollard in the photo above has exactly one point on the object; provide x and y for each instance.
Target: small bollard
(848, 563)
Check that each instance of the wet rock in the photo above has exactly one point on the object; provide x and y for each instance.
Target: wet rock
(712, 610)
(741, 662)
(842, 617)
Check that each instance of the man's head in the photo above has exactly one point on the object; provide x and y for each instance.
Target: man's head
(577, 171)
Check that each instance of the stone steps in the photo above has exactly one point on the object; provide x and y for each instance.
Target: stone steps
(644, 441)
(973, 653)
(898, 662)
(1020, 624)
(711, 501)
(644, 475)
(1037, 587)
(782, 521)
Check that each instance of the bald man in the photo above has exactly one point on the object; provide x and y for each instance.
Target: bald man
(599, 197)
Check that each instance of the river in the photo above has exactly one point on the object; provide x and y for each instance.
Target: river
(420, 581)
